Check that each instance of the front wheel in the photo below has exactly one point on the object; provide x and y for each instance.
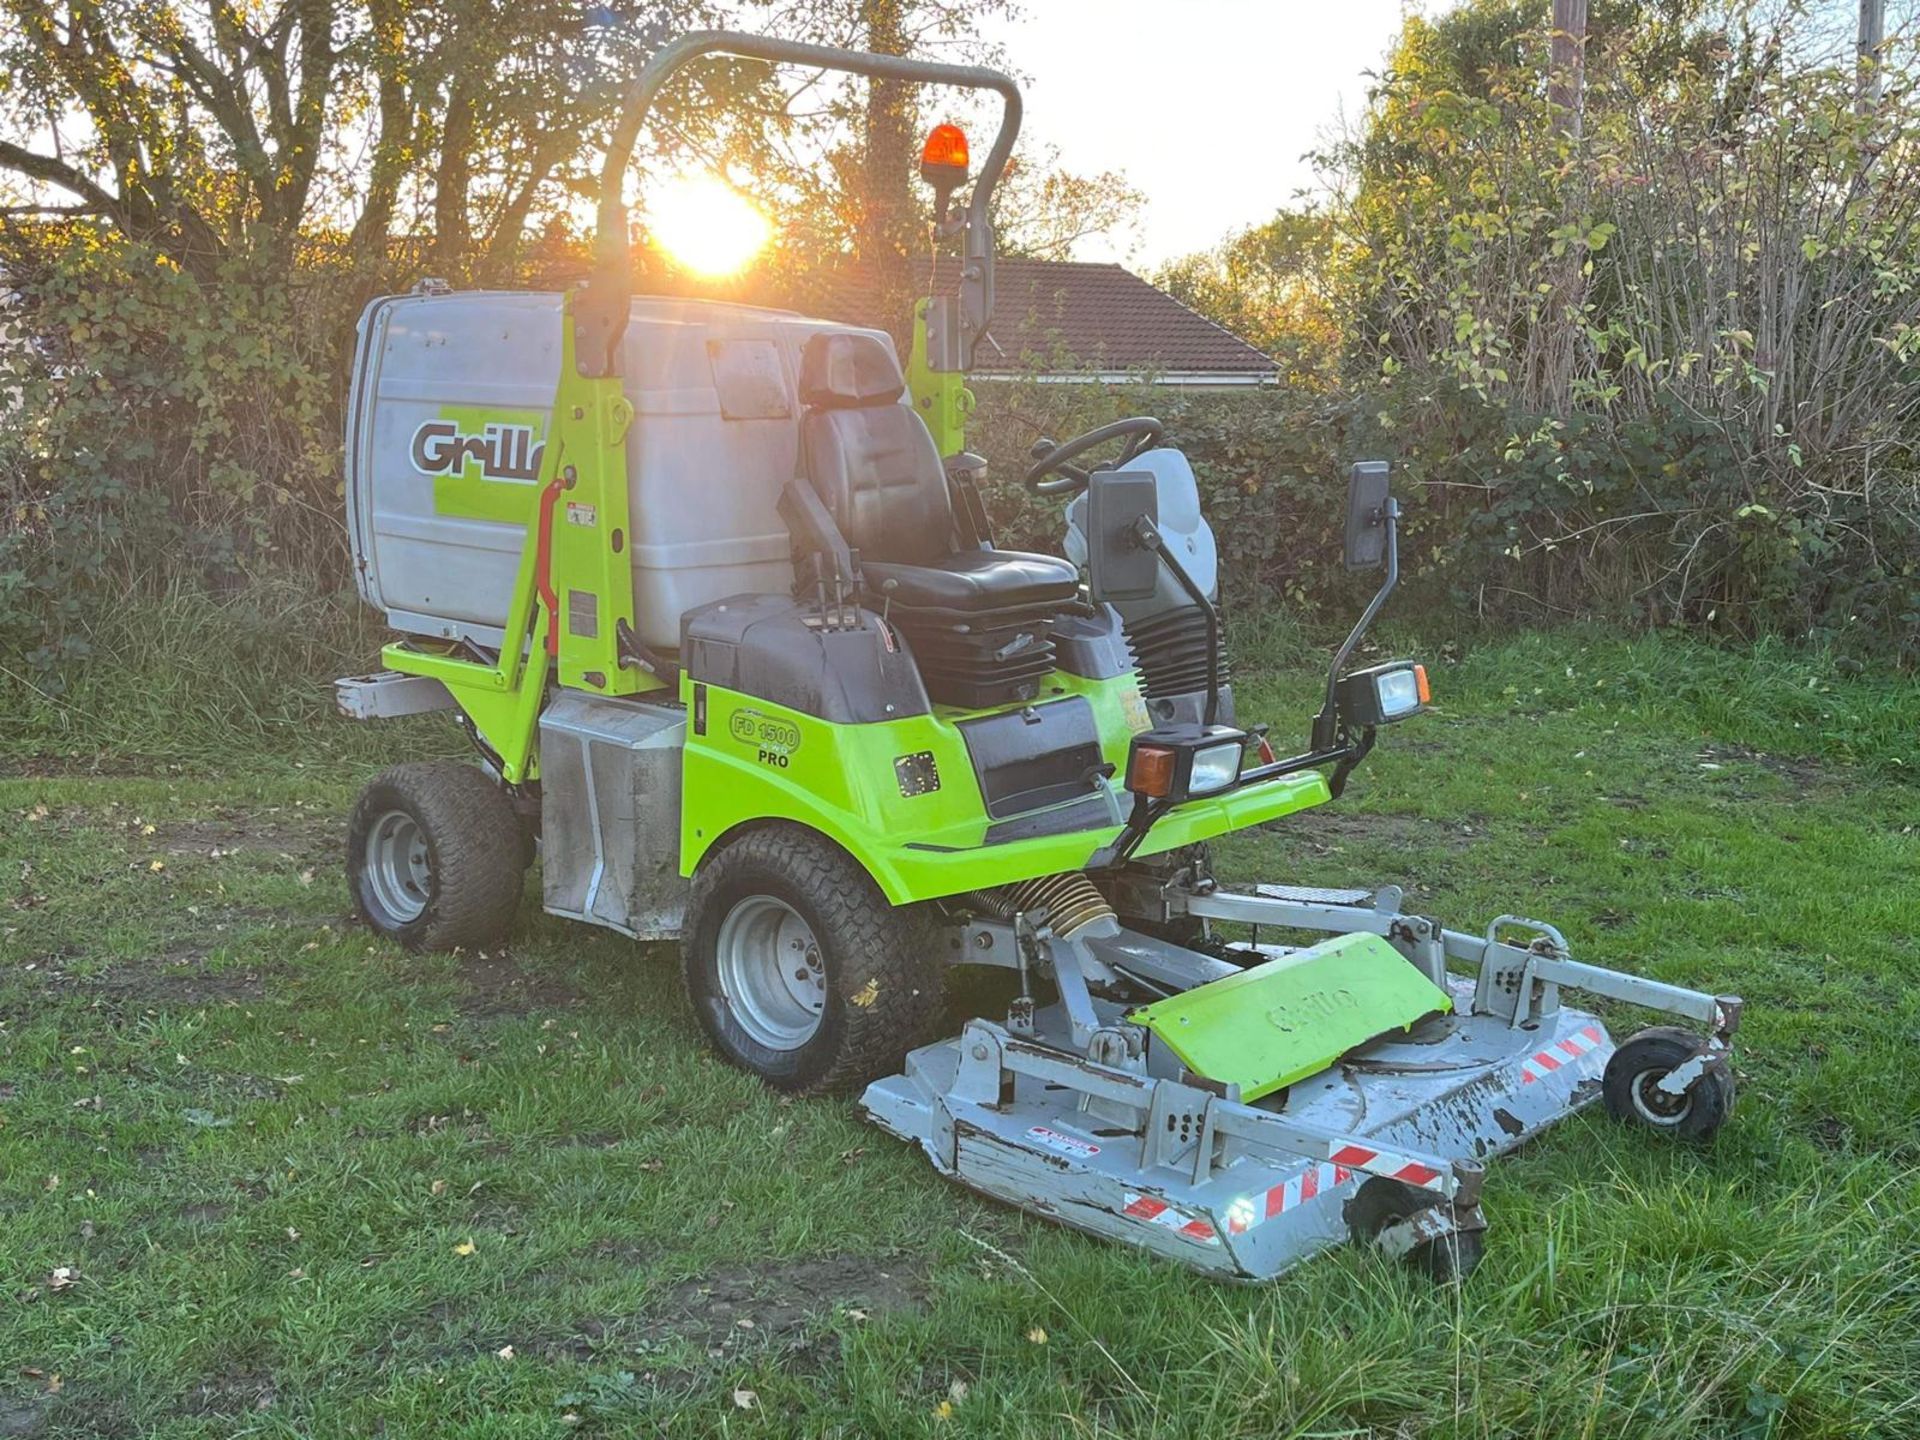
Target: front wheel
(1631, 1085)
(799, 969)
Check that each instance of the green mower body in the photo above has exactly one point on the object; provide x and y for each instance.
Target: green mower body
(713, 592)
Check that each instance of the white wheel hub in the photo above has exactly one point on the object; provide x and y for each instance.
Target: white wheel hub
(771, 972)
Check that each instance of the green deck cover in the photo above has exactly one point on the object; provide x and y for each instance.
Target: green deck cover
(1289, 1018)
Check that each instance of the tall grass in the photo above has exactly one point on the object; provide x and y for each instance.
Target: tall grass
(199, 679)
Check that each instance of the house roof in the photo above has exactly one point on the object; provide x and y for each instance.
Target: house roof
(1061, 319)
(1052, 319)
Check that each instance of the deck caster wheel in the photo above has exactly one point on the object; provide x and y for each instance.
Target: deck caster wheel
(1631, 1085)
(1376, 1216)
(436, 856)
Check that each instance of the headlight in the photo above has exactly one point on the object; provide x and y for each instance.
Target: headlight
(1216, 767)
(1382, 694)
(1182, 762)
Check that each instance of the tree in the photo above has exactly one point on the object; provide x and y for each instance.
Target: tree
(1043, 211)
(1269, 285)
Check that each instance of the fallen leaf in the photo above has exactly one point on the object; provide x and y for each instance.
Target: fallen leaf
(64, 1277)
(853, 1314)
(156, 866)
(439, 1187)
(745, 1322)
(292, 1234)
(1037, 1335)
(957, 1392)
(465, 1247)
(746, 1400)
(505, 1352)
(943, 1411)
(866, 994)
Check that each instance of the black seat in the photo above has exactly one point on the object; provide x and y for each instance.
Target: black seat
(974, 580)
(875, 468)
(979, 616)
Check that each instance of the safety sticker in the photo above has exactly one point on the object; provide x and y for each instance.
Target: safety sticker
(1158, 1212)
(1538, 1066)
(1062, 1144)
(1385, 1162)
(1316, 1180)
(579, 513)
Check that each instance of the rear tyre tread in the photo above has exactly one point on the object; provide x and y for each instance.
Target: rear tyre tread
(478, 853)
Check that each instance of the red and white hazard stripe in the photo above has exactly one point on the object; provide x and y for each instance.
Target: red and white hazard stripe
(1158, 1212)
(1314, 1181)
(1542, 1064)
(1385, 1162)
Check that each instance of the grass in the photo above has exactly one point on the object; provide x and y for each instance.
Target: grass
(260, 1174)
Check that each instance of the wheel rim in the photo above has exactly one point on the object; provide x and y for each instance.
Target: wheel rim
(771, 972)
(398, 867)
(1656, 1106)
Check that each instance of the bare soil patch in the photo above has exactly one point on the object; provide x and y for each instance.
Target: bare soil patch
(494, 985)
(274, 832)
(175, 977)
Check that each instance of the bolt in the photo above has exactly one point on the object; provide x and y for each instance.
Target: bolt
(979, 1052)
(983, 939)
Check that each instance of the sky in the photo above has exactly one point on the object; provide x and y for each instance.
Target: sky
(1208, 106)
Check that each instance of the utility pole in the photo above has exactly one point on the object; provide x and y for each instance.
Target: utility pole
(1873, 38)
(1568, 85)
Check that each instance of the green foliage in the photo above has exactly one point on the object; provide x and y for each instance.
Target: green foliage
(172, 427)
(1652, 350)
(1268, 285)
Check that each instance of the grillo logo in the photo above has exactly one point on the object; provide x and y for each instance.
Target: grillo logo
(505, 452)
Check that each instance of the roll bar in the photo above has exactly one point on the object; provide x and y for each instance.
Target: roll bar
(600, 311)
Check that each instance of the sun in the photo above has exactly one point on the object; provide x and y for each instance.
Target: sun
(705, 225)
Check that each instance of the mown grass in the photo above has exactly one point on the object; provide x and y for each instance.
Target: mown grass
(262, 1174)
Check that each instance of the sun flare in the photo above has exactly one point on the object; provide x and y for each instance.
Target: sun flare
(705, 225)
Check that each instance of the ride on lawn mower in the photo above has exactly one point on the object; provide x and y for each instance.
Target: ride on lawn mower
(712, 591)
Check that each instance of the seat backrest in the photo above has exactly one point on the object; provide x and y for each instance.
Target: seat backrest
(870, 457)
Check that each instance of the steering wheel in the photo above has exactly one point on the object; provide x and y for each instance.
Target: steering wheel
(1143, 432)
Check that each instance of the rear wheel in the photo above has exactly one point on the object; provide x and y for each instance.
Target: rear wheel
(799, 969)
(435, 856)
